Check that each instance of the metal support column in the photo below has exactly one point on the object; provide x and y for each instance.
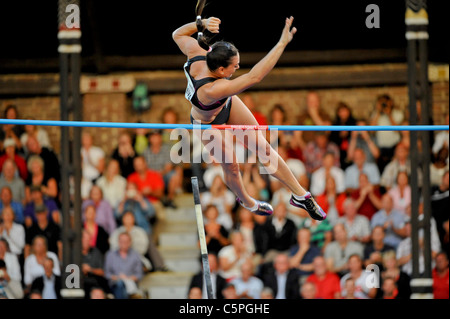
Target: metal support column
(416, 20)
(69, 49)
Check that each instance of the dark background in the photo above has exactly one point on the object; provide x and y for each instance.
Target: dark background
(28, 29)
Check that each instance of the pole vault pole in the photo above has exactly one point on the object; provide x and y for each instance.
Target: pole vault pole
(202, 239)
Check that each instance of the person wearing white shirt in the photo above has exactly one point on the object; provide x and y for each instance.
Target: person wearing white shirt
(360, 165)
(93, 158)
(33, 263)
(248, 286)
(112, 184)
(318, 178)
(14, 233)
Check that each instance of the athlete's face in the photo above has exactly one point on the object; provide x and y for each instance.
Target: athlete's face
(231, 68)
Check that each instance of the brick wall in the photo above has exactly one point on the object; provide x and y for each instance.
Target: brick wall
(116, 107)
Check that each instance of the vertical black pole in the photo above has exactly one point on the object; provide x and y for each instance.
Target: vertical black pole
(416, 20)
(69, 49)
(426, 157)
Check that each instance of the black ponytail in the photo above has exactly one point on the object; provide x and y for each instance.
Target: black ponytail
(201, 39)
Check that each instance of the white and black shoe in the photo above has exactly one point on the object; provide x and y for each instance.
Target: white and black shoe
(262, 208)
(310, 205)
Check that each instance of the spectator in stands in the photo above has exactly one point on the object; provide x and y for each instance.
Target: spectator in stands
(303, 253)
(373, 251)
(13, 232)
(217, 281)
(231, 257)
(33, 267)
(149, 183)
(9, 146)
(253, 233)
(439, 167)
(38, 199)
(327, 282)
(367, 197)
(169, 116)
(355, 267)
(223, 199)
(328, 168)
(441, 140)
(392, 221)
(321, 232)
(39, 133)
(11, 130)
(338, 252)
(93, 158)
(195, 293)
(216, 235)
(48, 284)
(104, 212)
(267, 293)
(11, 269)
(97, 293)
(248, 286)
(112, 184)
(158, 158)
(99, 236)
(92, 265)
(445, 240)
(36, 177)
(360, 165)
(6, 200)
(357, 226)
(295, 165)
(9, 178)
(9, 288)
(401, 193)
(280, 231)
(250, 102)
(51, 167)
(392, 270)
(141, 207)
(364, 141)
(316, 150)
(139, 238)
(385, 113)
(441, 277)
(344, 117)
(308, 290)
(350, 288)
(399, 163)
(44, 227)
(229, 292)
(404, 251)
(281, 279)
(140, 140)
(389, 289)
(124, 154)
(252, 178)
(332, 201)
(123, 268)
(314, 114)
(439, 205)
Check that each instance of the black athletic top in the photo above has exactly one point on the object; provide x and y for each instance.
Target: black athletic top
(193, 86)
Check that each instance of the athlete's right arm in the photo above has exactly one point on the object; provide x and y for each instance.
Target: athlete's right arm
(187, 44)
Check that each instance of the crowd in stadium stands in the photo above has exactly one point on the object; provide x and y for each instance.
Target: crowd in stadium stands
(360, 178)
